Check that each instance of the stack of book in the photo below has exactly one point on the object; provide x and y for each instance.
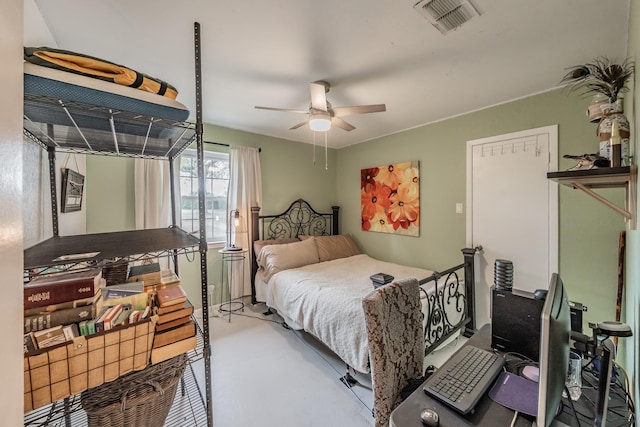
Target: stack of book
(152, 276)
(175, 330)
(55, 304)
(115, 315)
(122, 304)
(115, 272)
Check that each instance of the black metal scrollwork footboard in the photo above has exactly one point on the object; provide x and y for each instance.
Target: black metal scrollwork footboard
(450, 307)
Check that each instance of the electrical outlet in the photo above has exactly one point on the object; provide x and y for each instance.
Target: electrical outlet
(459, 208)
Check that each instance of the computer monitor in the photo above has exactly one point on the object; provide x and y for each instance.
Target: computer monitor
(555, 331)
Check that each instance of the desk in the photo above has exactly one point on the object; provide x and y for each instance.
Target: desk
(487, 412)
(229, 258)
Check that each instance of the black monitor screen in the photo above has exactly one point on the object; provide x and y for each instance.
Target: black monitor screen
(555, 331)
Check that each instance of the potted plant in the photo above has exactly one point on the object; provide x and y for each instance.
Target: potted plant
(600, 77)
(605, 81)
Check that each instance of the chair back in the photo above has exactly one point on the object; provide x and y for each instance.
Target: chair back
(393, 317)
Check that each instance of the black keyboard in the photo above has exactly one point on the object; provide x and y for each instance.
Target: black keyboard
(464, 378)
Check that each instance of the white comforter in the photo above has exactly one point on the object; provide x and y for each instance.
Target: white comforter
(325, 300)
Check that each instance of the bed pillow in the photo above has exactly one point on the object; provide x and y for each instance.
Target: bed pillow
(275, 258)
(334, 247)
(259, 244)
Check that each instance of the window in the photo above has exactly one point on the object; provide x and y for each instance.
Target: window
(216, 168)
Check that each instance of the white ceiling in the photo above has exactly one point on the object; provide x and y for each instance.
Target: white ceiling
(371, 51)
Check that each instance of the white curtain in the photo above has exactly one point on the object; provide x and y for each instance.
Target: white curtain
(245, 191)
(152, 196)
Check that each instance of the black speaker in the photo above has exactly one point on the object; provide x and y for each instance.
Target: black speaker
(515, 322)
(576, 315)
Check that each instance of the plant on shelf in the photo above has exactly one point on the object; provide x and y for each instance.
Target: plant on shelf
(605, 80)
(600, 77)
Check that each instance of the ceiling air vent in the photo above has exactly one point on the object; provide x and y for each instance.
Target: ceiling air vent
(447, 15)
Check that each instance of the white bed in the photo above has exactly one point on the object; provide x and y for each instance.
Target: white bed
(325, 298)
(317, 283)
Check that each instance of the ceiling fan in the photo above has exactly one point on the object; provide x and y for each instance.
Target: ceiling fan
(321, 114)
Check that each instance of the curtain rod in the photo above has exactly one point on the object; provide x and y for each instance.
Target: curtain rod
(226, 145)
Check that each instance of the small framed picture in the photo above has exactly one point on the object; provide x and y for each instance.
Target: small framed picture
(72, 187)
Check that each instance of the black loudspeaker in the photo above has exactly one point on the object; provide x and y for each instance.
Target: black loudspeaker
(515, 322)
(576, 315)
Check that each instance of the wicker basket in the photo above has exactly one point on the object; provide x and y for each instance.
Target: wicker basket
(141, 399)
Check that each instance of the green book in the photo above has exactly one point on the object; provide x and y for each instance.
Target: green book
(83, 328)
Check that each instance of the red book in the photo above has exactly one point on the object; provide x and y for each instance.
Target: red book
(111, 315)
(61, 287)
(171, 295)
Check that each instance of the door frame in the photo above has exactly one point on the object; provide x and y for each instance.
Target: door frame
(553, 213)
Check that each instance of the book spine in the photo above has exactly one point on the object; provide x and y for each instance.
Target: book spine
(55, 293)
(67, 316)
(111, 316)
(29, 343)
(186, 330)
(99, 323)
(60, 306)
(183, 312)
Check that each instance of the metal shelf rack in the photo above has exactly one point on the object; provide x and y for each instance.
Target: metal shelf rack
(103, 131)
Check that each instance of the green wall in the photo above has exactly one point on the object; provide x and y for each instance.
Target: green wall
(287, 173)
(109, 194)
(588, 230)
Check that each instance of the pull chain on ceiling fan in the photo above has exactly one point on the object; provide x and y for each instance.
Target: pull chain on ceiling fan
(326, 163)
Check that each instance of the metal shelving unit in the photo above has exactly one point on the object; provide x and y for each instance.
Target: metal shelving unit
(65, 126)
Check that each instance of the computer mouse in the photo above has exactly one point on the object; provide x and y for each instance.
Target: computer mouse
(540, 294)
(429, 417)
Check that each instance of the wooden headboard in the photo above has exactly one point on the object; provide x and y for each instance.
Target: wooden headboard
(298, 219)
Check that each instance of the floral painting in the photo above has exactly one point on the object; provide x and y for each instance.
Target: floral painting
(390, 198)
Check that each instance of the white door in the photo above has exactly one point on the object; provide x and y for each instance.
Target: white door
(512, 209)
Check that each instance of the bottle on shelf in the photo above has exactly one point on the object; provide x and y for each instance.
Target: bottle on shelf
(615, 145)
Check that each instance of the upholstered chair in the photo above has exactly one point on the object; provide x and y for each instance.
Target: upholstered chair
(396, 342)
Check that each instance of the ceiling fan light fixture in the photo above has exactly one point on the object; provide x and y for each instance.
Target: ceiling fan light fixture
(320, 122)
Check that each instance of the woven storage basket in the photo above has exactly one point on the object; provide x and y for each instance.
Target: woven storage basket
(140, 399)
(87, 362)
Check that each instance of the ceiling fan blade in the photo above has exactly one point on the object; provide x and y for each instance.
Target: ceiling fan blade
(358, 109)
(318, 96)
(342, 124)
(302, 123)
(286, 110)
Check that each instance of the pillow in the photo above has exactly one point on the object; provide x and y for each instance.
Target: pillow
(259, 244)
(334, 247)
(275, 258)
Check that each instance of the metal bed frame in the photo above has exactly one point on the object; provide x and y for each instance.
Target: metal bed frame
(450, 307)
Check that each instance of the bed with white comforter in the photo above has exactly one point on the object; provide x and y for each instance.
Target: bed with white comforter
(317, 280)
(325, 300)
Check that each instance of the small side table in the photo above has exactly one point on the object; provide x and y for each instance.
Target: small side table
(228, 260)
